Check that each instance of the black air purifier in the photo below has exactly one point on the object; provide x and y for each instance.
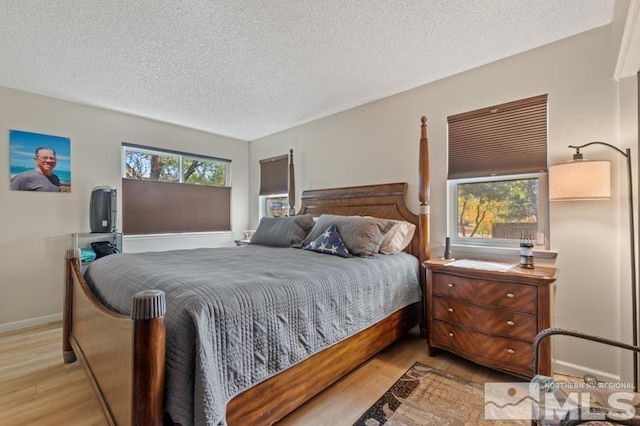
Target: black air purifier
(103, 209)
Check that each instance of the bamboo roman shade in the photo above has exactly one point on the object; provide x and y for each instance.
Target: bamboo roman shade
(154, 207)
(500, 140)
(274, 175)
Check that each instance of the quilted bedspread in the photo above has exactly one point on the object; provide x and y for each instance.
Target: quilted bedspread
(239, 315)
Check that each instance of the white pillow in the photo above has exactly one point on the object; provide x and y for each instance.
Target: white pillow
(398, 237)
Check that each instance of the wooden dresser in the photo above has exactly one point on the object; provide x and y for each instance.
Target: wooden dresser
(489, 317)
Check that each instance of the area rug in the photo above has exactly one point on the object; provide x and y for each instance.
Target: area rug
(428, 396)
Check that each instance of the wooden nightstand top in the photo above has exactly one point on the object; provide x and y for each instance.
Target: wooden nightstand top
(537, 275)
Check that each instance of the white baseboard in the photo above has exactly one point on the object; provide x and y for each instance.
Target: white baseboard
(575, 370)
(32, 322)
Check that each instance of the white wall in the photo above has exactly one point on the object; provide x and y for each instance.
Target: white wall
(378, 143)
(628, 93)
(35, 228)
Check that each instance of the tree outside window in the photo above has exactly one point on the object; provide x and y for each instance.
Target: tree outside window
(506, 209)
(150, 165)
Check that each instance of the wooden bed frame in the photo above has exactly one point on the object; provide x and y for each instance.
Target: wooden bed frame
(124, 356)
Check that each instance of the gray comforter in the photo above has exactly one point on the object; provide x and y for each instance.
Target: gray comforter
(238, 315)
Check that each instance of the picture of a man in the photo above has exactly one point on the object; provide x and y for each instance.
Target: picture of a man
(51, 157)
(41, 178)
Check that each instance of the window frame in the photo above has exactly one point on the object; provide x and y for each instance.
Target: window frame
(262, 200)
(541, 241)
(156, 206)
(275, 175)
(181, 155)
(508, 141)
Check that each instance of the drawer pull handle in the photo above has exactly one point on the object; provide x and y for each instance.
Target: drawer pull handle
(450, 285)
(511, 351)
(510, 295)
(450, 309)
(450, 334)
(511, 323)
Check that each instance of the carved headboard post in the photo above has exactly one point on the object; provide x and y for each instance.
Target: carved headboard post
(424, 193)
(292, 185)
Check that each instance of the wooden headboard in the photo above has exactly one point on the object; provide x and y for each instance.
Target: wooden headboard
(385, 201)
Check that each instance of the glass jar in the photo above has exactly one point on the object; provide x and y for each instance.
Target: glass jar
(526, 255)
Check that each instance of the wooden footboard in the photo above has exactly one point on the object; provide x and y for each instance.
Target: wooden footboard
(112, 346)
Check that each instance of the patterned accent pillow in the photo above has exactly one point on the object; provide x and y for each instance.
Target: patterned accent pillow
(328, 242)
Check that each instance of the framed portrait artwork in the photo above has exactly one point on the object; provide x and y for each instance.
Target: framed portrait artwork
(39, 162)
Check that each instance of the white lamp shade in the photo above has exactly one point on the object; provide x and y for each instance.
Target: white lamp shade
(580, 180)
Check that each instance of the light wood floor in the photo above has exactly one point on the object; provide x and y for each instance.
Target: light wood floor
(37, 388)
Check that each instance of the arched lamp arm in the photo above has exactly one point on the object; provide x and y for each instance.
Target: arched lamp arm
(579, 155)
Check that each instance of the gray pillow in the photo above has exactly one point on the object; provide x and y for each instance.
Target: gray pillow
(282, 231)
(361, 235)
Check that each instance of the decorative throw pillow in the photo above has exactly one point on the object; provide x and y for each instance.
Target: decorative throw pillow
(398, 237)
(328, 242)
(361, 235)
(282, 231)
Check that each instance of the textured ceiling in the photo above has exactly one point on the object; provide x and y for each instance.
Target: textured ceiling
(250, 68)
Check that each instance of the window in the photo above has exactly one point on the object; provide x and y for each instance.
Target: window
(497, 180)
(274, 185)
(171, 192)
(498, 210)
(275, 206)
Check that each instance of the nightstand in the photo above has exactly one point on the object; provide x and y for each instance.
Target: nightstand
(489, 317)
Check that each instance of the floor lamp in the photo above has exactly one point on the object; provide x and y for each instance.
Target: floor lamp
(591, 180)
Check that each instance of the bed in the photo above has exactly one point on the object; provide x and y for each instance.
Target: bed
(124, 354)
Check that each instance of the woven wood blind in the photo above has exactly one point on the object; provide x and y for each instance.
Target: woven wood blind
(274, 175)
(500, 140)
(152, 207)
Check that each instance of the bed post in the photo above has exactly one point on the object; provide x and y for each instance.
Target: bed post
(423, 228)
(72, 257)
(147, 314)
(292, 186)
(424, 192)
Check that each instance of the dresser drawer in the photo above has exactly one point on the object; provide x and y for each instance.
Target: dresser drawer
(490, 320)
(501, 352)
(519, 297)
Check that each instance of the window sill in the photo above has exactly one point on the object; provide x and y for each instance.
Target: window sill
(176, 234)
(504, 252)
